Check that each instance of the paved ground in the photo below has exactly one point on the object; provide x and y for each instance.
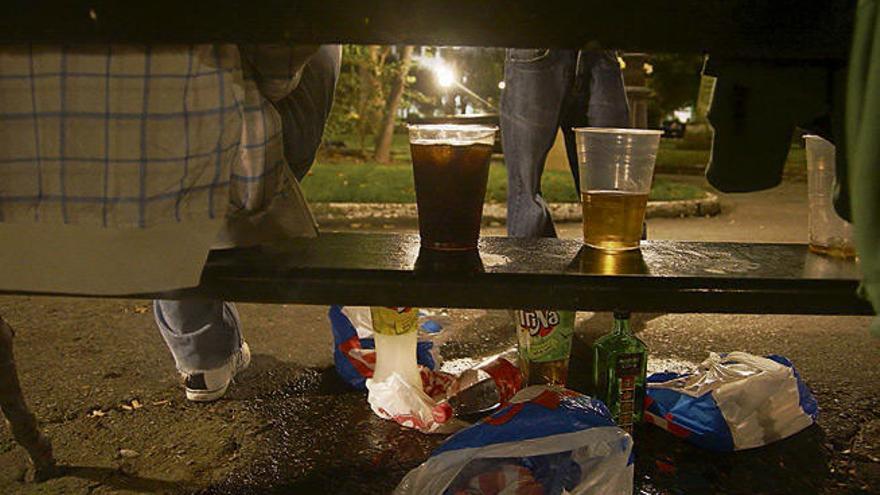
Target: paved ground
(290, 426)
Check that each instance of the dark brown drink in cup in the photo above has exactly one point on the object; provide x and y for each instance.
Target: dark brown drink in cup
(450, 171)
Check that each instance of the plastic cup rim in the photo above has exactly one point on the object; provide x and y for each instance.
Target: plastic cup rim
(617, 130)
(454, 127)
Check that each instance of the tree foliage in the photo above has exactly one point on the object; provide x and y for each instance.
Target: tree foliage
(366, 79)
(370, 73)
(675, 81)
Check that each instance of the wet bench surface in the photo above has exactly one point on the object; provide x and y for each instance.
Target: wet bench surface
(663, 276)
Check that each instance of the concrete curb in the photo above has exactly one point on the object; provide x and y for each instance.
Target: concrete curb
(496, 213)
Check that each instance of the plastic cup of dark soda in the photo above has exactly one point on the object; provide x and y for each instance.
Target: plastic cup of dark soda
(450, 168)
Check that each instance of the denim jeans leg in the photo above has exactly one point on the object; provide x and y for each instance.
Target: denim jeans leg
(597, 100)
(202, 335)
(607, 102)
(536, 83)
(305, 111)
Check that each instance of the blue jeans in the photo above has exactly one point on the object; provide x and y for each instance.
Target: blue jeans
(202, 334)
(546, 89)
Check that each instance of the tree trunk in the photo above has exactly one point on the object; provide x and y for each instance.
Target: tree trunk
(382, 153)
(367, 75)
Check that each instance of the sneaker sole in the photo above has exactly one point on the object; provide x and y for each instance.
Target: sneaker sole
(205, 395)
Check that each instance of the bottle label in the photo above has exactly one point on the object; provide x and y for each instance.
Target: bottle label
(627, 370)
(394, 321)
(544, 335)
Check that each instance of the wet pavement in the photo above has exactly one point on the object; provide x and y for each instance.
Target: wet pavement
(289, 424)
(328, 439)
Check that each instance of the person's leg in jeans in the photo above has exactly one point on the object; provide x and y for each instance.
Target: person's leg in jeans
(536, 85)
(213, 332)
(305, 111)
(597, 99)
(205, 336)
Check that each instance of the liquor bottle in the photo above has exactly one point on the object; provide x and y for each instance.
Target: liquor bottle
(619, 364)
(544, 339)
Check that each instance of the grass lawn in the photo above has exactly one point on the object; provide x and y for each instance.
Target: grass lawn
(670, 157)
(337, 178)
(370, 182)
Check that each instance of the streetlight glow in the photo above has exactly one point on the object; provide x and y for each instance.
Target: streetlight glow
(445, 75)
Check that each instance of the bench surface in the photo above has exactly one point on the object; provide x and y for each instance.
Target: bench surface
(786, 29)
(664, 276)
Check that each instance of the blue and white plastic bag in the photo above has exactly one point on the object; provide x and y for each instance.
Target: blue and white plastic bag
(546, 441)
(733, 402)
(354, 348)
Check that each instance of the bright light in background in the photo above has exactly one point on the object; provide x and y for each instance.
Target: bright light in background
(443, 72)
(684, 114)
(501, 85)
(445, 75)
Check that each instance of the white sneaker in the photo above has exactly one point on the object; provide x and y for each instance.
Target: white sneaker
(212, 384)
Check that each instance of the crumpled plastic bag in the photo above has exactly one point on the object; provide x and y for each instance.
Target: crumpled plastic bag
(397, 400)
(733, 402)
(546, 441)
(354, 354)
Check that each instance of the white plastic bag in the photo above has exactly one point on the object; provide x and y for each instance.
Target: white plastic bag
(733, 402)
(397, 400)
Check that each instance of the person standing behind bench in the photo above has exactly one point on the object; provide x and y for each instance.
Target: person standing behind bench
(545, 89)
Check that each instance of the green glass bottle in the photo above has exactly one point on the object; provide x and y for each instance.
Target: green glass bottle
(619, 364)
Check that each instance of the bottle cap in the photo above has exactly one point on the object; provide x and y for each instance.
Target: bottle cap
(442, 412)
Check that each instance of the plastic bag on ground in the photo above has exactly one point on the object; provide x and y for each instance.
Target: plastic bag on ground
(733, 402)
(395, 399)
(546, 441)
(354, 352)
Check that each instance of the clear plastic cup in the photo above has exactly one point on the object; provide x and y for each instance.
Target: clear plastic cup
(451, 168)
(616, 171)
(829, 234)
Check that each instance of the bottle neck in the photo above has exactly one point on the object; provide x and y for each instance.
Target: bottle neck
(621, 326)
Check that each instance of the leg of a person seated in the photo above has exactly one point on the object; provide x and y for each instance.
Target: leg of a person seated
(205, 339)
(536, 84)
(205, 336)
(305, 111)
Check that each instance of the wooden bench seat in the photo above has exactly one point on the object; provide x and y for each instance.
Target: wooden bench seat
(663, 276)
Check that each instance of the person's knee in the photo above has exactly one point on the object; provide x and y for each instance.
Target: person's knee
(329, 61)
(320, 77)
(305, 112)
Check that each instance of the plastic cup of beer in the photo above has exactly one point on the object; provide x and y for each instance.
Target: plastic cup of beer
(451, 169)
(829, 234)
(616, 170)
